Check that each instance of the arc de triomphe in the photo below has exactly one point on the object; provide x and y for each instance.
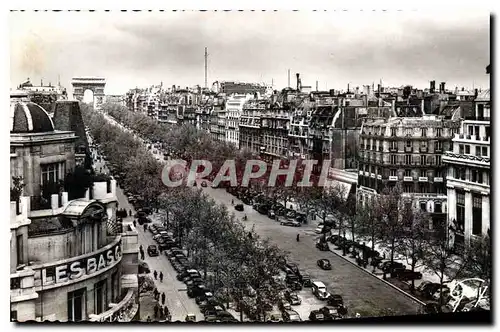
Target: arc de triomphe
(94, 84)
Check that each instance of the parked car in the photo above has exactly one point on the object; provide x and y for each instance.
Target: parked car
(319, 290)
(292, 223)
(271, 214)
(196, 290)
(153, 251)
(293, 268)
(188, 273)
(316, 315)
(406, 274)
(322, 246)
(335, 300)
(291, 316)
(388, 267)
(330, 312)
(324, 264)
(306, 280)
(239, 207)
(292, 297)
(204, 298)
(284, 305)
(190, 318)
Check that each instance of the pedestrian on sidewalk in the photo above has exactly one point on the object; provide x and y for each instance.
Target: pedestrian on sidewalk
(163, 298)
(161, 276)
(135, 223)
(154, 293)
(298, 237)
(145, 227)
(130, 213)
(156, 310)
(142, 254)
(155, 274)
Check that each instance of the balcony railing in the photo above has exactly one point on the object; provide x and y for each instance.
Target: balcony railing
(124, 311)
(393, 178)
(39, 203)
(423, 149)
(408, 178)
(408, 149)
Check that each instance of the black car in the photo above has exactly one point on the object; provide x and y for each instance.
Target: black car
(335, 300)
(388, 267)
(330, 312)
(293, 268)
(292, 298)
(196, 290)
(324, 264)
(204, 298)
(306, 280)
(239, 207)
(316, 315)
(406, 274)
(322, 246)
(153, 251)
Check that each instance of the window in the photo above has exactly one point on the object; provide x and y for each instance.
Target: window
(393, 159)
(423, 187)
(437, 207)
(438, 132)
(424, 132)
(461, 149)
(423, 206)
(407, 172)
(408, 132)
(394, 172)
(460, 208)
(76, 305)
(487, 129)
(408, 144)
(470, 130)
(485, 151)
(19, 249)
(477, 215)
(467, 149)
(473, 175)
(100, 297)
(480, 177)
(393, 131)
(438, 160)
(408, 188)
(461, 173)
(423, 173)
(478, 151)
(52, 172)
(438, 174)
(394, 145)
(408, 159)
(438, 146)
(423, 160)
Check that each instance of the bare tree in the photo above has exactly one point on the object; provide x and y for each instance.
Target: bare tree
(413, 242)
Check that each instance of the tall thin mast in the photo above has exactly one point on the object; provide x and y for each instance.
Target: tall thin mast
(206, 57)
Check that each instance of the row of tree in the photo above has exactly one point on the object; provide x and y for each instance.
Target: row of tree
(217, 243)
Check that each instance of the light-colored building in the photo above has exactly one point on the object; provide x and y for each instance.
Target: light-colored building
(234, 107)
(469, 176)
(69, 258)
(408, 151)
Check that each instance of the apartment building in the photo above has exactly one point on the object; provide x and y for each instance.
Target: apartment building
(407, 150)
(234, 107)
(468, 178)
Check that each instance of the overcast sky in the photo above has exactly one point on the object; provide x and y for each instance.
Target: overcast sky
(335, 48)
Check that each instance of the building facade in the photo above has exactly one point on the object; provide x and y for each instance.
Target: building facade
(234, 107)
(407, 150)
(69, 259)
(468, 178)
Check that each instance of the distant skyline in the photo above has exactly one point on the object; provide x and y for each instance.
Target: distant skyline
(334, 48)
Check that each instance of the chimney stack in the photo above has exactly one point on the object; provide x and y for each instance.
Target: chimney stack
(442, 87)
(316, 85)
(298, 81)
(348, 87)
(433, 86)
(475, 93)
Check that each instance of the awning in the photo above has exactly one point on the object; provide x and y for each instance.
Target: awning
(339, 186)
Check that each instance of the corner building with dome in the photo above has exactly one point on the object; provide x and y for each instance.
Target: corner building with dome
(69, 259)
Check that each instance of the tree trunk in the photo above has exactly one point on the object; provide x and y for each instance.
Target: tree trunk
(393, 242)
